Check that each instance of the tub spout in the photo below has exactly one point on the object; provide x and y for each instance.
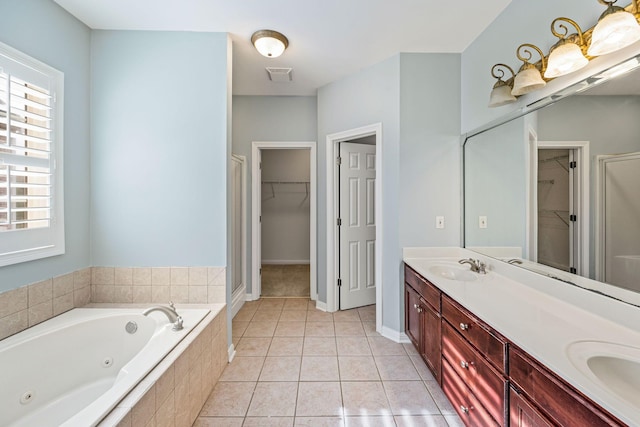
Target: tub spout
(170, 312)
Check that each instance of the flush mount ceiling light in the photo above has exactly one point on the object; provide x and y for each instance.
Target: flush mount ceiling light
(528, 78)
(269, 43)
(567, 55)
(615, 30)
(501, 93)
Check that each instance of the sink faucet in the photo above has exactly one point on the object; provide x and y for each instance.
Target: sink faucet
(170, 312)
(476, 265)
(514, 261)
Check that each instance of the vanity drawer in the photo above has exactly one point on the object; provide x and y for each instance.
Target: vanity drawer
(487, 384)
(492, 345)
(470, 410)
(429, 293)
(561, 402)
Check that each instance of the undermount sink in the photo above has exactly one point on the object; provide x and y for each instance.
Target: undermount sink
(616, 367)
(453, 273)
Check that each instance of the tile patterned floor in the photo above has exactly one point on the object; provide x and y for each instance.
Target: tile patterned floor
(298, 366)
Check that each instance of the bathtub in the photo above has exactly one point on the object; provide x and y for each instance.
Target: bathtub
(74, 369)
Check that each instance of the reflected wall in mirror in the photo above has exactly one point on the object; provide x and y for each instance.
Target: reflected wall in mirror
(560, 186)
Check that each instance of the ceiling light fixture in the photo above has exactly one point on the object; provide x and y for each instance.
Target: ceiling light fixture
(501, 93)
(567, 55)
(615, 30)
(269, 43)
(528, 78)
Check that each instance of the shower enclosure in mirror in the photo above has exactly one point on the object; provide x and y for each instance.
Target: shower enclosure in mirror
(557, 190)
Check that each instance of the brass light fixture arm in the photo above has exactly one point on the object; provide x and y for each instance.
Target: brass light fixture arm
(495, 69)
(566, 30)
(530, 55)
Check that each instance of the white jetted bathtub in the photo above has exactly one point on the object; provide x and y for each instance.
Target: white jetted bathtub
(74, 369)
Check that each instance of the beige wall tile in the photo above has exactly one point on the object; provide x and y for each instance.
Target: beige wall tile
(216, 276)
(14, 301)
(166, 411)
(102, 275)
(40, 312)
(82, 278)
(14, 323)
(62, 303)
(182, 402)
(82, 296)
(102, 293)
(179, 294)
(40, 292)
(198, 276)
(198, 294)
(141, 294)
(179, 276)
(165, 385)
(123, 294)
(123, 276)
(141, 276)
(161, 276)
(63, 285)
(144, 410)
(160, 294)
(216, 294)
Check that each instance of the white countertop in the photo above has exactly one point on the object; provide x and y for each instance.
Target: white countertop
(541, 315)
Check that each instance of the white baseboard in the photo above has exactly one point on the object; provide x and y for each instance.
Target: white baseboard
(232, 352)
(322, 306)
(399, 337)
(237, 301)
(285, 261)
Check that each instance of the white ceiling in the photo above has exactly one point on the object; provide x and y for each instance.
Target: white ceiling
(329, 39)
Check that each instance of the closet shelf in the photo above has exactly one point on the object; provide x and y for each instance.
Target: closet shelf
(274, 183)
(556, 213)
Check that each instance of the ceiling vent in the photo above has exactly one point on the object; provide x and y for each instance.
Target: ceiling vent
(280, 75)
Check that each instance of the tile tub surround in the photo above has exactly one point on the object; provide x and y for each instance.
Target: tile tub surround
(29, 305)
(182, 285)
(175, 391)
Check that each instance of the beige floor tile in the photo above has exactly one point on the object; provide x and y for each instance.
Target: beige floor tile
(293, 316)
(410, 349)
(422, 368)
(268, 422)
(311, 305)
(374, 421)
(290, 329)
(319, 346)
(370, 329)
(364, 398)
(422, 421)
(319, 422)
(381, 346)
(274, 399)
(286, 346)
(296, 304)
(260, 329)
(238, 327)
(272, 304)
(346, 316)
(250, 346)
(453, 420)
(439, 397)
(353, 346)
(315, 315)
(245, 313)
(348, 328)
(398, 368)
(358, 368)
(267, 315)
(281, 369)
(243, 369)
(319, 399)
(218, 422)
(409, 398)
(319, 368)
(319, 329)
(368, 313)
(229, 399)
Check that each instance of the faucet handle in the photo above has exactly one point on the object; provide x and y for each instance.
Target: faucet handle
(177, 325)
(482, 267)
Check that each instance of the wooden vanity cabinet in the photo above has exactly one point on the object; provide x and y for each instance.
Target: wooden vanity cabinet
(422, 320)
(523, 414)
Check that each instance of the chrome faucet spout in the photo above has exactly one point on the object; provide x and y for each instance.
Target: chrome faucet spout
(476, 265)
(170, 312)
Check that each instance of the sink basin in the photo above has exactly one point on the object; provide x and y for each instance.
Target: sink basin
(453, 273)
(615, 367)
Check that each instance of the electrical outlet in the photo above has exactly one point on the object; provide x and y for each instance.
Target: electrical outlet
(439, 222)
(482, 221)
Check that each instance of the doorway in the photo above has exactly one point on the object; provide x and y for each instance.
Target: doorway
(283, 209)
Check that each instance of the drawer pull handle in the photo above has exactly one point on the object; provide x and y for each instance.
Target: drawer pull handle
(464, 326)
(464, 409)
(464, 364)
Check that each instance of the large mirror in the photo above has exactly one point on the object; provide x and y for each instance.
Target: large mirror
(557, 190)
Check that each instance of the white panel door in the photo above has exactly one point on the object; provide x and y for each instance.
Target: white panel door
(357, 225)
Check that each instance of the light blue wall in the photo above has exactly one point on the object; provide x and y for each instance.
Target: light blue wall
(270, 118)
(45, 31)
(159, 148)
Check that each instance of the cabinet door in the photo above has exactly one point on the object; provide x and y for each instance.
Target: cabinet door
(412, 316)
(523, 414)
(432, 342)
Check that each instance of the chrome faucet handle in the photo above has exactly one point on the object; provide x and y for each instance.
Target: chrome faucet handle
(482, 267)
(177, 325)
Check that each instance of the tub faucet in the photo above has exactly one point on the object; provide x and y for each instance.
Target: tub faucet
(170, 312)
(476, 265)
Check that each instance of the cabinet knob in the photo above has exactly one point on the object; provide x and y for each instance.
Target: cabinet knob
(464, 364)
(464, 326)
(464, 409)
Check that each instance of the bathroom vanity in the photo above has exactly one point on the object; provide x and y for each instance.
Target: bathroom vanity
(510, 347)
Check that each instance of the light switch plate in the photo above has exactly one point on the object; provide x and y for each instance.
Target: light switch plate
(439, 222)
(482, 221)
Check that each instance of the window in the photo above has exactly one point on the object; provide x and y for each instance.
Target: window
(31, 202)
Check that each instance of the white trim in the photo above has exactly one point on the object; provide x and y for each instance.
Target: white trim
(237, 301)
(395, 336)
(256, 190)
(332, 215)
(248, 297)
(243, 165)
(322, 306)
(286, 261)
(582, 205)
(231, 353)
